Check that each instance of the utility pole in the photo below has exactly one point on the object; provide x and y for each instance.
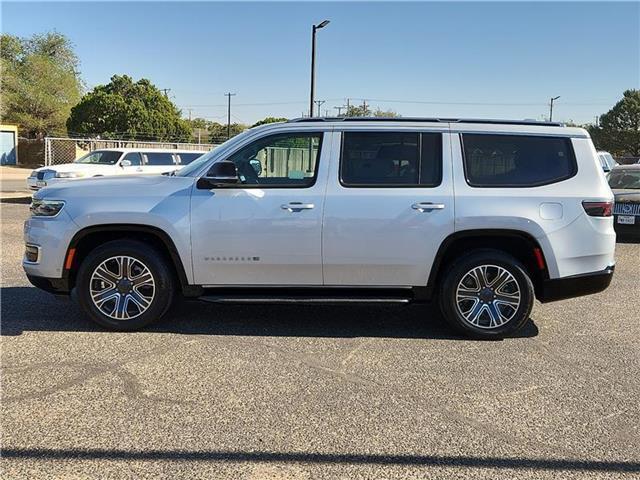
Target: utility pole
(166, 91)
(364, 108)
(229, 95)
(314, 28)
(319, 103)
(189, 113)
(339, 109)
(348, 106)
(551, 107)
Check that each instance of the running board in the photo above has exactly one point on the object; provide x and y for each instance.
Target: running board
(295, 295)
(299, 299)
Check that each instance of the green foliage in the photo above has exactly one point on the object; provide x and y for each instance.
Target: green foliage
(365, 111)
(266, 120)
(218, 132)
(40, 82)
(124, 109)
(619, 130)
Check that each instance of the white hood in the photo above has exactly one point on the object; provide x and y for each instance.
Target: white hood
(89, 169)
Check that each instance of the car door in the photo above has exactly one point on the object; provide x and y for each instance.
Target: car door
(132, 165)
(389, 206)
(265, 230)
(158, 162)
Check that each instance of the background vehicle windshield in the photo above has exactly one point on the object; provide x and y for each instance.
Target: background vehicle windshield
(625, 179)
(102, 157)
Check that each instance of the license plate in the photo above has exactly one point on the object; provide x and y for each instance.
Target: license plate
(626, 219)
(41, 183)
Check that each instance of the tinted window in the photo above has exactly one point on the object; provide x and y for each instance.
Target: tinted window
(391, 159)
(102, 157)
(187, 158)
(159, 158)
(516, 160)
(620, 179)
(134, 157)
(280, 160)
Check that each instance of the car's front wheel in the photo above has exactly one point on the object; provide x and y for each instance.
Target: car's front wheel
(487, 294)
(125, 285)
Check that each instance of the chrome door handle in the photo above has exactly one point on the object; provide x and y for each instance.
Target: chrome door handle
(296, 206)
(427, 206)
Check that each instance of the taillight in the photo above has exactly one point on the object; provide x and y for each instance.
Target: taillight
(598, 209)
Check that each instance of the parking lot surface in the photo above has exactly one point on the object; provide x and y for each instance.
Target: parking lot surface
(284, 392)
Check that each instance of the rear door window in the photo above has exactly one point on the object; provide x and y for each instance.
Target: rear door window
(158, 158)
(389, 159)
(492, 160)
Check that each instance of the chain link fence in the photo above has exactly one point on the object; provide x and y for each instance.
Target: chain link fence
(59, 150)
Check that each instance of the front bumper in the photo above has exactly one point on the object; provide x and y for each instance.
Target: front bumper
(57, 286)
(575, 285)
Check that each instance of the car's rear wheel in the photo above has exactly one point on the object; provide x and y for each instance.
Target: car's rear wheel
(125, 285)
(487, 294)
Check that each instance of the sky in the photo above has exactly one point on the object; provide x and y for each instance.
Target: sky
(454, 59)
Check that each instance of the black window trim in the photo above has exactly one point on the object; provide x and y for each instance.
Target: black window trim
(302, 133)
(394, 185)
(567, 140)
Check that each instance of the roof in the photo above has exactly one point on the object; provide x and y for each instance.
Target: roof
(146, 149)
(632, 166)
(426, 120)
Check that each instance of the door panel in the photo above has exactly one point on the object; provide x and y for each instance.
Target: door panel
(385, 235)
(263, 232)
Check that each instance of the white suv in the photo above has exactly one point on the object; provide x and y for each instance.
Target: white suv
(113, 161)
(483, 216)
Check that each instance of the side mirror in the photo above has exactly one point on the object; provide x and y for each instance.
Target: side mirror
(220, 174)
(125, 163)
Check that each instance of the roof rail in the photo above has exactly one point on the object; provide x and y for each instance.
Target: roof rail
(421, 119)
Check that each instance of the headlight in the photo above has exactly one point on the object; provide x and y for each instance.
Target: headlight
(46, 208)
(69, 174)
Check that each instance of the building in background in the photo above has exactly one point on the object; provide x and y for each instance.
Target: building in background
(8, 145)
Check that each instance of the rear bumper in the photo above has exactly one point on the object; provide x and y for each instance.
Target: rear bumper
(575, 285)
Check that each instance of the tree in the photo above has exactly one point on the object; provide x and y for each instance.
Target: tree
(619, 130)
(124, 109)
(365, 111)
(40, 82)
(218, 132)
(266, 120)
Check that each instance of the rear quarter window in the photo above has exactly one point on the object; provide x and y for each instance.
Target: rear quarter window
(516, 160)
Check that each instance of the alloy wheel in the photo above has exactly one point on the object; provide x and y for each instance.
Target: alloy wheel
(488, 296)
(122, 287)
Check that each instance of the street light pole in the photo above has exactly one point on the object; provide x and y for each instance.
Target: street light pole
(314, 28)
(551, 107)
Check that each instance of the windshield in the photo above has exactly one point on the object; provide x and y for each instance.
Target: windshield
(196, 165)
(102, 157)
(622, 179)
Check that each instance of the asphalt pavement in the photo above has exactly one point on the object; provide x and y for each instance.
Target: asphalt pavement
(286, 392)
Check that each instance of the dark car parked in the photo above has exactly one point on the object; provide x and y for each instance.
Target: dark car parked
(624, 180)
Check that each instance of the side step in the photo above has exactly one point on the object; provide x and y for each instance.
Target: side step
(297, 300)
(331, 296)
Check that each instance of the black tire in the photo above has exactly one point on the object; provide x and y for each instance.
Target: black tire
(160, 295)
(493, 303)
